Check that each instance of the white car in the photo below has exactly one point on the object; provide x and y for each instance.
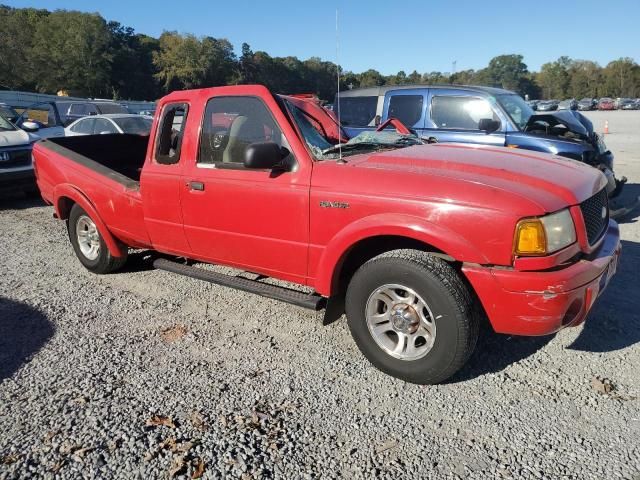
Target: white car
(16, 168)
(110, 123)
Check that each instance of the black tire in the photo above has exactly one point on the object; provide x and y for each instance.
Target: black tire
(448, 298)
(104, 262)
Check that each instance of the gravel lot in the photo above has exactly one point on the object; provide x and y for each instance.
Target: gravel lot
(143, 374)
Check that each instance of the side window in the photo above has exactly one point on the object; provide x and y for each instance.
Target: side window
(358, 111)
(231, 124)
(103, 126)
(457, 112)
(170, 133)
(406, 108)
(84, 127)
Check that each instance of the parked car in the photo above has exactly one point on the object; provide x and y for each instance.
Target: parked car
(147, 113)
(415, 240)
(48, 119)
(16, 170)
(481, 115)
(570, 104)
(606, 104)
(547, 105)
(587, 104)
(110, 123)
(628, 104)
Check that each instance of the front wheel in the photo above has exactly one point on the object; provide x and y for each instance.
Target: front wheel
(89, 244)
(412, 316)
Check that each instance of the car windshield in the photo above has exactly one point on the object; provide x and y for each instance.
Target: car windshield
(323, 149)
(516, 107)
(5, 125)
(135, 125)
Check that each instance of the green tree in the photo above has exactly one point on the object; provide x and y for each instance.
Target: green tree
(507, 71)
(17, 70)
(585, 79)
(371, 78)
(71, 51)
(554, 78)
(622, 78)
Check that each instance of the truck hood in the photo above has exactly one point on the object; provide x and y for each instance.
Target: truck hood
(14, 138)
(576, 122)
(549, 181)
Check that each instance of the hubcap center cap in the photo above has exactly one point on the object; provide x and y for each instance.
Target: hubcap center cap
(405, 319)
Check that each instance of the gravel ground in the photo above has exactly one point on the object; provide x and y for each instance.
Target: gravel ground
(144, 374)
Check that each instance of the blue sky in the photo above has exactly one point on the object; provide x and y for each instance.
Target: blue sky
(388, 35)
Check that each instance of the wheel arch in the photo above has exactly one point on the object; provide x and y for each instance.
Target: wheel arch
(372, 236)
(66, 196)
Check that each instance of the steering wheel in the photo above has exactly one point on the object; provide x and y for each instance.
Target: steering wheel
(395, 123)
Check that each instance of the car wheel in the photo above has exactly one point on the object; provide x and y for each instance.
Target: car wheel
(89, 244)
(412, 316)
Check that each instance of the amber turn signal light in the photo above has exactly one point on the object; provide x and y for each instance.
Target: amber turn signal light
(530, 238)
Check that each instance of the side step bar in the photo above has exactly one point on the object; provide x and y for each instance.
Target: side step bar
(312, 301)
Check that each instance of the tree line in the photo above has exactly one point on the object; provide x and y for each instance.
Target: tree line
(84, 54)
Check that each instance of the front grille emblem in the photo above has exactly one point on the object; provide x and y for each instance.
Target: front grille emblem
(5, 157)
(604, 212)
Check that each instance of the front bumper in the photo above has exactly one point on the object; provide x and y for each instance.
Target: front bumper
(540, 303)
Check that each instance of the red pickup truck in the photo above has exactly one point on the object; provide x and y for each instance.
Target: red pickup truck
(416, 243)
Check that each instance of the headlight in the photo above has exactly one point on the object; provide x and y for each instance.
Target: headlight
(544, 235)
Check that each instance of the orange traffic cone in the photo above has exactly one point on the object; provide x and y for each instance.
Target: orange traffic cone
(606, 127)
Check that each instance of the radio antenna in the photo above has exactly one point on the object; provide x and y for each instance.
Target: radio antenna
(337, 103)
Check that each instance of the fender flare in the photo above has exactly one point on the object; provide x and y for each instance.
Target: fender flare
(408, 226)
(65, 190)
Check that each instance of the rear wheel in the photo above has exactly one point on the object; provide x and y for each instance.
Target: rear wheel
(89, 244)
(412, 316)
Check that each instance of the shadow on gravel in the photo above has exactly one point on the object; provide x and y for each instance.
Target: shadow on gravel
(495, 352)
(628, 197)
(20, 201)
(614, 322)
(23, 331)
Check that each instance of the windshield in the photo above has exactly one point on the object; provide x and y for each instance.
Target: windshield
(516, 107)
(135, 125)
(5, 125)
(323, 149)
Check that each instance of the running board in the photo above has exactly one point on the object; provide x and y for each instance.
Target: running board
(312, 301)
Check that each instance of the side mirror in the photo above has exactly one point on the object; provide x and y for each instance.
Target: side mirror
(488, 125)
(29, 126)
(264, 155)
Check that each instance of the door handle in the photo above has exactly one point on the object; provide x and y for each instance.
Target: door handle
(196, 186)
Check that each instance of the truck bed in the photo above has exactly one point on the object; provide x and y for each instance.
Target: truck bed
(103, 168)
(119, 157)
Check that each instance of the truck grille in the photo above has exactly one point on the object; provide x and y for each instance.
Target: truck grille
(15, 158)
(595, 222)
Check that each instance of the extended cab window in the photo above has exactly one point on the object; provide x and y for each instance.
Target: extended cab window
(230, 125)
(170, 133)
(406, 108)
(460, 112)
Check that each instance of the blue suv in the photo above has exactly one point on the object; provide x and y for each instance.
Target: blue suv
(481, 115)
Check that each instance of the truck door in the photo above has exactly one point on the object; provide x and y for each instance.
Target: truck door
(161, 182)
(251, 219)
(459, 116)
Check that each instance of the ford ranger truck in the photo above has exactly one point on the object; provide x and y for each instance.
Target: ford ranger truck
(416, 243)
